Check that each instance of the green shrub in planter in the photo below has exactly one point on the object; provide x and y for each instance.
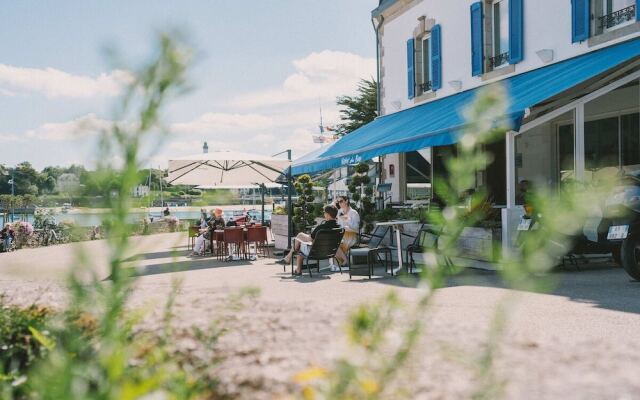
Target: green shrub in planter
(361, 193)
(303, 209)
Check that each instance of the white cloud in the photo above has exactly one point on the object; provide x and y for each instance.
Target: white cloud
(212, 123)
(319, 76)
(82, 127)
(54, 83)
(9, 137)
(262, 122)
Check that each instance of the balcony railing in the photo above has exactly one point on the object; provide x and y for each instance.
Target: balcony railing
(498, 60)
(617, 17)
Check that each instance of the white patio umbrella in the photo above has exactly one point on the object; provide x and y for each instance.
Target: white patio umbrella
(228, 168)
(225, 168)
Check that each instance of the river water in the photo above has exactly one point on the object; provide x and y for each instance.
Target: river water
(94, 219)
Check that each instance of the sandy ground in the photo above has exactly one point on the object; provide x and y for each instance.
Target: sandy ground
(580, 342)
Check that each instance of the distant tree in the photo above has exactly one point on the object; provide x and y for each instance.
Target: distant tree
(26, 179)
(358, 110)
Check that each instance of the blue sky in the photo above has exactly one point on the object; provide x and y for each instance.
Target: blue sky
(262, 69)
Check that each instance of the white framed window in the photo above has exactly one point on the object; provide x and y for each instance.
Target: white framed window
(499, 33)
(616, 13)
(425, 73)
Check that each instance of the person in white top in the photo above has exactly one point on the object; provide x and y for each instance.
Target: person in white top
(349, 219)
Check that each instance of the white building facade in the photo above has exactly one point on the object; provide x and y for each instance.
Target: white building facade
(431, 49)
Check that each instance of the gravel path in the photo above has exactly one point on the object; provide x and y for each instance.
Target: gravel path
(578, 343)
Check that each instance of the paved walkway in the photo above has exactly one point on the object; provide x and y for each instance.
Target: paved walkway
(581, 341)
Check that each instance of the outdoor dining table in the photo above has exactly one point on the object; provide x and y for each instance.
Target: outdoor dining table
(395, 225)
(218, 236)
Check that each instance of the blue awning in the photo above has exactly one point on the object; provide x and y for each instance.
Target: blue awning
(438, 122)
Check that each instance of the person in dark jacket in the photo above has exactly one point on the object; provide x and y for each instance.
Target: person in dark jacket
(302, 242)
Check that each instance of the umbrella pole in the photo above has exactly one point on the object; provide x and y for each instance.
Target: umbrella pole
(262, 190)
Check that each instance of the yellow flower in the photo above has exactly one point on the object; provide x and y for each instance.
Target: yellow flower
(310, 374)
(308, 393)
(369, 386)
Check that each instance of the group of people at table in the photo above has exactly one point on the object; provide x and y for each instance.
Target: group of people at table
(340, 215)
(208, 225)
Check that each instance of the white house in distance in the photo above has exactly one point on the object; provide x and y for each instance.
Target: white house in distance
(571, 69)
(140, 191)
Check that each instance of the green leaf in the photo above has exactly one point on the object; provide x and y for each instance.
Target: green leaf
(48, 343)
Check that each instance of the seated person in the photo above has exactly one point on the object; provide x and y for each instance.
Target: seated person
(349, 219)
(204, 219)
(216, 221)
(7, 236)
(330, 214)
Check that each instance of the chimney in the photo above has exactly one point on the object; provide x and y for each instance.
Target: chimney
(205, 148)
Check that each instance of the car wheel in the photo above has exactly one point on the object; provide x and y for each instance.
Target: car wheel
(630, 256)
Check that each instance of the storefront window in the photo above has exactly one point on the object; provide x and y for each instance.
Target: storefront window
(630, 141)
(418, 171)
(612, 133)
(566, 158)
(601, 148)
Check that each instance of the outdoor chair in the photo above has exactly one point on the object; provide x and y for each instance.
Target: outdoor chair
(324, 247)
(373, 251)
(426, 240)
(378, 235)
(234, 242)
(192, 234)
(258, 236)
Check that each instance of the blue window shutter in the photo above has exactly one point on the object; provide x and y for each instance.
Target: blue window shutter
(436, 58)
(637, 10)
(411, 78)
(516, 31)
(580, 20)
(477, 42)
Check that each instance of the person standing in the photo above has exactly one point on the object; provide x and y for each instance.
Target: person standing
(349, 219)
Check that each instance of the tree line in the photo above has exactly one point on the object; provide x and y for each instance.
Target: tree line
(74, 180)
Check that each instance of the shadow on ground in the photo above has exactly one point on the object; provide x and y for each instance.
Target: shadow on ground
(601, 284)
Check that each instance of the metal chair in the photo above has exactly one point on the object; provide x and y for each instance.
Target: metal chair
(192, 234)
(234, 240)
(374, 250)
(324, 247)
(258, 236)
(426, 240)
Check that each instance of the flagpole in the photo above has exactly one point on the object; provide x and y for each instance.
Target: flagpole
(13, 193)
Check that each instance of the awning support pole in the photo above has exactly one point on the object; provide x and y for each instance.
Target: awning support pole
(289, 204)
(579, 142)
(511, 169)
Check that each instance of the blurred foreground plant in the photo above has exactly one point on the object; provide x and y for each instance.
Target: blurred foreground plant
(96, 352)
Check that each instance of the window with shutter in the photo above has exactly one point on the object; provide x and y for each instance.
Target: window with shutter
(516, 31)
(477, 42)
(613, 14)
(499, 33)
(411, 83)
(436, 58)
(580, 17)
